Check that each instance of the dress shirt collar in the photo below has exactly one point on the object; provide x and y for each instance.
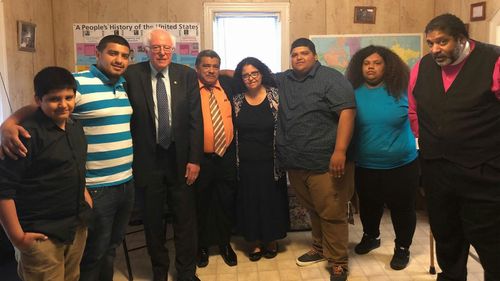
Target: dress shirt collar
(201, 85)
(464, 53)
(48, 123)
(154, 72)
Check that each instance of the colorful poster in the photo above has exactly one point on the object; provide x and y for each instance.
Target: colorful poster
(336, 50)
(87, 36)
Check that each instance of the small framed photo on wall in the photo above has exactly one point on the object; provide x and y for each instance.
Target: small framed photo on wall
(26, 36)
(364, 14)
(478, 11)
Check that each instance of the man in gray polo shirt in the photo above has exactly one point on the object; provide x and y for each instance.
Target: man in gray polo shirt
(316, 120)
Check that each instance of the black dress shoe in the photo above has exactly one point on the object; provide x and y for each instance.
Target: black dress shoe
(202, 259)
(255, 256)
(228, 255)
(271, 253)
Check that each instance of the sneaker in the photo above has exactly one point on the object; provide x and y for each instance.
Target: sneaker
(338, 273)
(309, 258)
(401, 258)
(367, 244)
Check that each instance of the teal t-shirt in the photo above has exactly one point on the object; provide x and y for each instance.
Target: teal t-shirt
(382, 135)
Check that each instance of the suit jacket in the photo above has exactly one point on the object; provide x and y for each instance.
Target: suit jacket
(227, 84)
(187, 121)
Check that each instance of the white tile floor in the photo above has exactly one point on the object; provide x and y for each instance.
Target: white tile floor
(371, 267)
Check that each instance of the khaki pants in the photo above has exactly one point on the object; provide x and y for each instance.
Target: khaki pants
(52, 260)
(326, 197)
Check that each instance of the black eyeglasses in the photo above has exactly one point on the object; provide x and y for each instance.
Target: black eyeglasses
(252, 75)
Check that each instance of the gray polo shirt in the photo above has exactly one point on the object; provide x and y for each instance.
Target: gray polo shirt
(308, 116)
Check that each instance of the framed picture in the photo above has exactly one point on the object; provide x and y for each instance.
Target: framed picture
(26, 36)
(478, 11)
(364, 14)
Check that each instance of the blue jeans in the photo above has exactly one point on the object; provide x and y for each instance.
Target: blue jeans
(111, 214)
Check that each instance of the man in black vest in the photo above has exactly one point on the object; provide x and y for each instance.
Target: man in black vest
(454, 98)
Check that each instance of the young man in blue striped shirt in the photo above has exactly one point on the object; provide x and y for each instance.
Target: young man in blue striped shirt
(103, 108)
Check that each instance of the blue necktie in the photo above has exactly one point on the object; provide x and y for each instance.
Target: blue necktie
(164, 137)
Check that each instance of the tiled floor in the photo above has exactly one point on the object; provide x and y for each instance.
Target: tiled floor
(371, 267)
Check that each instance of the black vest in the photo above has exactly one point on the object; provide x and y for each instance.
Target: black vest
(463, 124)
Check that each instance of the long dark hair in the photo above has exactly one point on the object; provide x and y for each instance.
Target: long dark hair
(396, 72)
(267, 75)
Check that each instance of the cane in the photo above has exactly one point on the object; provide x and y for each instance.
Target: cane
(432, 268)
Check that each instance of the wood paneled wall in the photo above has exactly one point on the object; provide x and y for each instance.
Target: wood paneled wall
(306, 16)
(22, 66)
(478, 30)
(54, 19)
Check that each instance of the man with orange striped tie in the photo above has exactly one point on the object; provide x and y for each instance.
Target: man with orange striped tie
(216, 184)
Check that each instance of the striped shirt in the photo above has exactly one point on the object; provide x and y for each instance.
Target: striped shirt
(104, 112)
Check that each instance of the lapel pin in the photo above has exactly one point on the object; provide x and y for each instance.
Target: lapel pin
(175, 82)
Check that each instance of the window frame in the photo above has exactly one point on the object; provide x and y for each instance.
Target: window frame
(282, 9)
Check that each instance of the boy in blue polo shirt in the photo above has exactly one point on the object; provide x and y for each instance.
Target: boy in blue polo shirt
(43, 200)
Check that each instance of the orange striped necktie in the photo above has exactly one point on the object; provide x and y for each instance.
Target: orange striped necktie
(218, 125)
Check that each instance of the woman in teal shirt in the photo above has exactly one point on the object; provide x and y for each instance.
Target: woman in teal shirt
(385, 150)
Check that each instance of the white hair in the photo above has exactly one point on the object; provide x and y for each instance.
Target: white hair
(146, 38)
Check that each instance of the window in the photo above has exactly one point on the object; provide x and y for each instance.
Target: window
(236, 31)
(236, 36)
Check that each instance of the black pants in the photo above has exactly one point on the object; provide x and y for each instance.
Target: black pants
(464, 209)
(397, 189)
(6, 249)
(215, 197)
(165, 189)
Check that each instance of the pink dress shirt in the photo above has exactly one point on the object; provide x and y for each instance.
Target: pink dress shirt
(448, 73)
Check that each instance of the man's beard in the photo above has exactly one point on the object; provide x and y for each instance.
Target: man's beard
(449, 59)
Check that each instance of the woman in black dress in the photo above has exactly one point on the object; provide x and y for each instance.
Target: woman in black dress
(262, 196)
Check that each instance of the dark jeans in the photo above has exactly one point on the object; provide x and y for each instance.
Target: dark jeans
(397, 189)
(464, 208)
(111, 213)
(164, 189)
